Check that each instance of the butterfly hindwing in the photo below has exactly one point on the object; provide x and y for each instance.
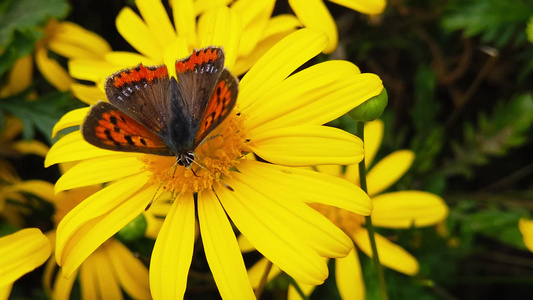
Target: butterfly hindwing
(107, 127)
(219, 106)
(142, 92)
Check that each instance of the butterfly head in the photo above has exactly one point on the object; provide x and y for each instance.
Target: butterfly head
(185, 159)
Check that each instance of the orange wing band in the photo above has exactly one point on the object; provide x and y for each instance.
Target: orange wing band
(136, 74)
(197, 58)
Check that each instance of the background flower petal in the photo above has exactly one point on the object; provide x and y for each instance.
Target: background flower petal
(526, 228)
(278, 63)
(257, 271)
(173, 250)
(310, 186)
(258, 221)
(307, 146)
(221, 249)
(107, 283)
(52, 70)
(314, 14)
(21, 252)
(73, 41)
(72, 118)
(404, 209)
(388, 170)
(349, 277)
(373, 137)
(371, 7)
(89, 94)
(184, 20)
(255, 15)
(390, 255)
(40, 188)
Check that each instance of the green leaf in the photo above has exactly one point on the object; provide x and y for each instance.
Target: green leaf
(28, 15)
(22, 44)
(41, 114)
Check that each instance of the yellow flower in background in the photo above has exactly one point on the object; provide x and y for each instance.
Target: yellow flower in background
(158, 40)
(314, 14)
(526, 228)
(20, 253)
(278, 116)
(396, 210)
(109, 269)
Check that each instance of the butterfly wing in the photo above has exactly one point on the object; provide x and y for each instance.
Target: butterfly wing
(107, 127)
(197, 77)
(143, 93)
(219, 106)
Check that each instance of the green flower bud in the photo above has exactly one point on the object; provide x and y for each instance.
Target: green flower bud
(134, 230)
(371, 109)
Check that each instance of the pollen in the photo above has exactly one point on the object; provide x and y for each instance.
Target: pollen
(220, 151)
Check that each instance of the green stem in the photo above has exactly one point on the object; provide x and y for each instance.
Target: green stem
(368, 219)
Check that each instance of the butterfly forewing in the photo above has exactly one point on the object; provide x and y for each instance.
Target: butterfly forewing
(107, 127)
(144, 94)
(219, 106)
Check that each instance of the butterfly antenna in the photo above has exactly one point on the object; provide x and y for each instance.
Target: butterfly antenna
(202, 166)
(174, 166)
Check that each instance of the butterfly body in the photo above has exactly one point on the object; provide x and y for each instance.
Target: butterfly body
(148, 112)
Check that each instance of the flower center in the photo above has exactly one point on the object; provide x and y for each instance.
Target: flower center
(348, 221)
(220, 151)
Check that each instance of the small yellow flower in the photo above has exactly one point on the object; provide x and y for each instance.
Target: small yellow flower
(397, 210)
(278, 117)
(315, 14)
(20, 253)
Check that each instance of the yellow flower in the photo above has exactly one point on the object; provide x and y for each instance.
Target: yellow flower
(526, 228)
(20, 253)
(108, 269)
(397, 210)
(315, 14)
(158, 41)
(278, 117)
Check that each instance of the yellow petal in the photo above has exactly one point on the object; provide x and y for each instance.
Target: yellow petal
(333, 170)
(257, 271)
(98, 217)
(276, 29)
(310, 186)
(313, 97)
(72, 118)
(308, 145)
(307, 289)
(388, 170)
(371, 7)
(39, 188)
(5, 290)
(261, 222)
(526, 228)
(52, 70)
(88, 282)
(21, 252)
(244, 244)
(349, 277)
(107, 287)
(157, 21)
(73, 147)
(123, 59)
(278, 63)
(184, 20)
(87, 93)
(314, 14)
(255, 15)
(408, 208)
(176, 50)
(390, 255)
(130, 271)
(31, 147)
(100, 170)
(172, 254)
(373, 137)
(200, 6)
(73, 41)
(136, 33)
(221, 27)
(90, 69)
(19, 77)
(221, 249)
(62, 286)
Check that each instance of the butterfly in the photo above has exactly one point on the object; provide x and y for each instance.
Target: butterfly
(148, 112)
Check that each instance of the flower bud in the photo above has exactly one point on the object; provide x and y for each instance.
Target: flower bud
(371, 109)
